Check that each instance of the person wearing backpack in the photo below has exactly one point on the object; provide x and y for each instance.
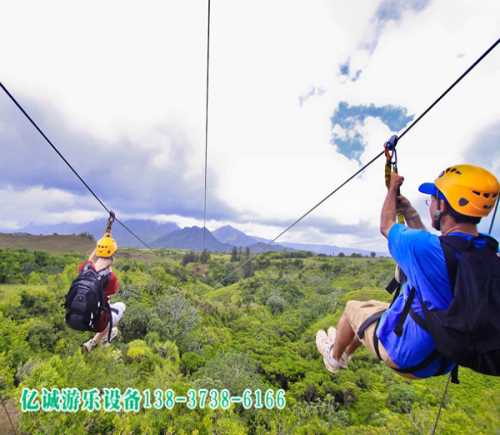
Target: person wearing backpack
(87, 302)
(446, 312)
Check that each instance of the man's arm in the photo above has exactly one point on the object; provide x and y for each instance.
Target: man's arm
(388, 215)
(410, 214)
(92, 257)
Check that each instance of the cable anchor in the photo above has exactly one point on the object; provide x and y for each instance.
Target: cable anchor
(109, 223)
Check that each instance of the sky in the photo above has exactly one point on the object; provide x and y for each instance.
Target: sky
(301, 94)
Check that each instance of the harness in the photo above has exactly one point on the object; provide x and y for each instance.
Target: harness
(451, 266)
(104, 275)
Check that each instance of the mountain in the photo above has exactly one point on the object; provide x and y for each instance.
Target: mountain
(147, 230)
(257, 245)
(229, 234)
(191, 238)
(232, 236)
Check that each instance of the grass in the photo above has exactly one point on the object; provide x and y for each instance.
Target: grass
(53, 243)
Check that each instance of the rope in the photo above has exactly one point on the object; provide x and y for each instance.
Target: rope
(443, 399)
(206, 126)
(9, 417)
(103, 205)
(494, 216)
(397, 138)
(289, 227)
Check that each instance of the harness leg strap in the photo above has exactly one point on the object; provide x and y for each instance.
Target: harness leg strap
(364, 326)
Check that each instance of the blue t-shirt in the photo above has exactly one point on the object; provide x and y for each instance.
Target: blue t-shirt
(419, 254)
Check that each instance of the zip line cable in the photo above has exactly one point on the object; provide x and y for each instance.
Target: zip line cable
(75, 172)
(407, 129)
(398, 138)
(69, 164)
(443, 399)
(206, 126)
(494, 216)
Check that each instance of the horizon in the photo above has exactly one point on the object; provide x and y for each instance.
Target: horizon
(292, 114)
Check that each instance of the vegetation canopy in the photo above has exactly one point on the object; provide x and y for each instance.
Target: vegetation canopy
(181, 330)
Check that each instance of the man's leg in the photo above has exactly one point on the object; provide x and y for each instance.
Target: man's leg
(117, 310)
(355, 343)
(344, 339)
(340, 343)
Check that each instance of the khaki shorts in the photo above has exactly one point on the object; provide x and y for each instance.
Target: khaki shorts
(356, 313)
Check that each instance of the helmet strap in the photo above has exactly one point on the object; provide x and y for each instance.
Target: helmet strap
(438, 214)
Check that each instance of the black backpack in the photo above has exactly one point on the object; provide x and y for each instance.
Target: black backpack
(468, 331)
(85, 299)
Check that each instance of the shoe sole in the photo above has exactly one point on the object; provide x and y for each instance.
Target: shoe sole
(85, 349)
(325, 361)
(332, 333)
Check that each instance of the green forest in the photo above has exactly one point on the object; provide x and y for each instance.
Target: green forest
(219, 322)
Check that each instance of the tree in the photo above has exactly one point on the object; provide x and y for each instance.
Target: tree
(177, 317)
(341, 254)
(276, 303)
(189, 257)
(373, 254)
(204, 257)
(248, 269)
(234, 254)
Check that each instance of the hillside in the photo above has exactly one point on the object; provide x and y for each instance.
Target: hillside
(148, 230)
(49, 243)
(182, 330)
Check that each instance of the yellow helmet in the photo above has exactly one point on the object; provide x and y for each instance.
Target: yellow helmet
(470, 190)
(106, 246)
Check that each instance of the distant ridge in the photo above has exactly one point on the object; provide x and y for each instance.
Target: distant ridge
(192, 238)
(170, 235)
(148, 230)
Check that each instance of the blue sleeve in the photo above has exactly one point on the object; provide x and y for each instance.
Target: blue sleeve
(406, 243)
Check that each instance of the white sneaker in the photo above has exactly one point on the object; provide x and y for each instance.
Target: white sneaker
(114, 334)
(89, 345)
(332, 333)
(325, 346)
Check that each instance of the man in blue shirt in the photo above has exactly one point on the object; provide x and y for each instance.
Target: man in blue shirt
(460, 197)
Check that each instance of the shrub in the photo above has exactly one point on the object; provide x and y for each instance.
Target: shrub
(276, 303)
(401, 398)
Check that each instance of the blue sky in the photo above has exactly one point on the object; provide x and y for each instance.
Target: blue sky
(349, 117)
(292, 113)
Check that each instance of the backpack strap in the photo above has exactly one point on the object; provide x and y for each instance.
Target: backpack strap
(398, 329)
(364, 326)
(393, 286)
(451, 246)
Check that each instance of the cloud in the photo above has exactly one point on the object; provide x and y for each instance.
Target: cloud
(485, 151)
(150, 172)
(132, 92)
(485, 148)
(36, 204)
(347, 119)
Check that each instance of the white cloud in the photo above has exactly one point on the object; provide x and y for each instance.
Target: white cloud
(117, 69)
(36, 204)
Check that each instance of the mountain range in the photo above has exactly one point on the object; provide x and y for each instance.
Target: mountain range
(170, 235)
